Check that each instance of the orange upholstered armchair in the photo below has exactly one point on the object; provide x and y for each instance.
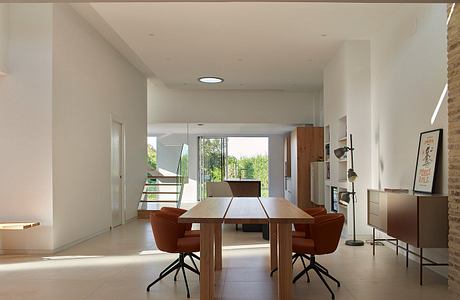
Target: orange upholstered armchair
(170, 237)
(325, 236)
(303, 231)
(179, 212)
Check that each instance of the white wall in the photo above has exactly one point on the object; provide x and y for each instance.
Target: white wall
(26, 128)
(216, 106)
(3, 37)
(347, 93)
(91, 81)
(409, 71)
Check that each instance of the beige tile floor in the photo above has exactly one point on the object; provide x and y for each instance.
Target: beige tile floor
(119, 265)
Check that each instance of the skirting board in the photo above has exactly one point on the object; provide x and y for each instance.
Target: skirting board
(81, 240)
(53, 251)
(71, 244)
(59, 249)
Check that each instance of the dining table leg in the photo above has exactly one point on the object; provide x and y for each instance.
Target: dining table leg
(218, 246)
(207, 261)
(273, 246)
(284, 261)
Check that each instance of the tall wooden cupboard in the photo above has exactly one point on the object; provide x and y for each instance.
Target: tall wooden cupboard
(302, 146)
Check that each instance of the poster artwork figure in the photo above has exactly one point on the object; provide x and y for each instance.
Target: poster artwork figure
(427, 156)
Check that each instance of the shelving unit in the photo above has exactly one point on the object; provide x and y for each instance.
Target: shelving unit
(327, 167)
(342, 168)
(327, 153)
(342, 142)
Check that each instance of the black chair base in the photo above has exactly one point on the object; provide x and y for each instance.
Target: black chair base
(302, 256)
(177, 265)
(320, 270)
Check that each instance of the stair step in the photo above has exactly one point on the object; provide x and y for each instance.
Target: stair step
(144, 212)
(158, 201)
(162, 184)
(160, 193)
(151, 197)
(163, 176)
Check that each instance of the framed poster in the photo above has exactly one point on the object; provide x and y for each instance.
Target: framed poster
(427, 156)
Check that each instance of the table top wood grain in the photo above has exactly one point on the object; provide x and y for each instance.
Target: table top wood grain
(245, 210)
(280, 210)
(209, 210)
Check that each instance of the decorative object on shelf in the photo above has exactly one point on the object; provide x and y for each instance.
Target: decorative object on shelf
(352, 176)
(427, 157)
(344, 198)
(334, 199)
(327, 147)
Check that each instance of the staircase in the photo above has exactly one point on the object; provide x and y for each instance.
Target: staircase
(164, 190)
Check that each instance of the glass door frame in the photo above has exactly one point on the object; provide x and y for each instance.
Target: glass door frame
(223, 163)
(224, 153)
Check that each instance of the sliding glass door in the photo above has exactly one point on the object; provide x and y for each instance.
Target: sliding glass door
(234, 158)
(212, 166)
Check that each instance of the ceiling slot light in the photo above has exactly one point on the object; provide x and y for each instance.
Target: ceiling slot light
(210, 80)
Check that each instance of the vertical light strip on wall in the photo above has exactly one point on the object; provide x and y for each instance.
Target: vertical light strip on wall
(441, 99)
(444, 92)
(450, 13)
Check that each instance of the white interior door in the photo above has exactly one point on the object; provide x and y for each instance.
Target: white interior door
(117, 174)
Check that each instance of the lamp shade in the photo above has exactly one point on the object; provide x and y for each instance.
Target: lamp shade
(352, 176)
(339, 152)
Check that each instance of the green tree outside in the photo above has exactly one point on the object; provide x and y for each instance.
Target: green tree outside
(255, 167)
(151, 156)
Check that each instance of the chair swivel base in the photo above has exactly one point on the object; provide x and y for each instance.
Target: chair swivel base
(354, 243)
(320, 270)
(302, 257)
(177, 265)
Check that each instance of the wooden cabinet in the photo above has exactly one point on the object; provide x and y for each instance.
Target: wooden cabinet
(306, 146)
(417, 219)
(287, 156)
(377, 209)
(245, 188)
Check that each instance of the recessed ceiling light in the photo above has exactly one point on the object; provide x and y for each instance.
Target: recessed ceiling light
(210, 79)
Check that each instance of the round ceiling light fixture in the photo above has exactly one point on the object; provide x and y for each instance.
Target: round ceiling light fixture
(210, 80)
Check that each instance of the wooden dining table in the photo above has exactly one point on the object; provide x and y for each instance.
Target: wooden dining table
(279, 213)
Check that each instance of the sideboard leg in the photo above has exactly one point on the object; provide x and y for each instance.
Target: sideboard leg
(407, 255)
(373, 241)
(421, 266)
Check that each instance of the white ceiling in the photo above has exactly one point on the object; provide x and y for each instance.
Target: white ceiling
(262, 46)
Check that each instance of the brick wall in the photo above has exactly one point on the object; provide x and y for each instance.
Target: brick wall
(453, 54)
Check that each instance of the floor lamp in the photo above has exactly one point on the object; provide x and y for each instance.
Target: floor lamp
(352, 176)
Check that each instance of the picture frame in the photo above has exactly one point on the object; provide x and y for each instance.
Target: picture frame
(429, 147)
